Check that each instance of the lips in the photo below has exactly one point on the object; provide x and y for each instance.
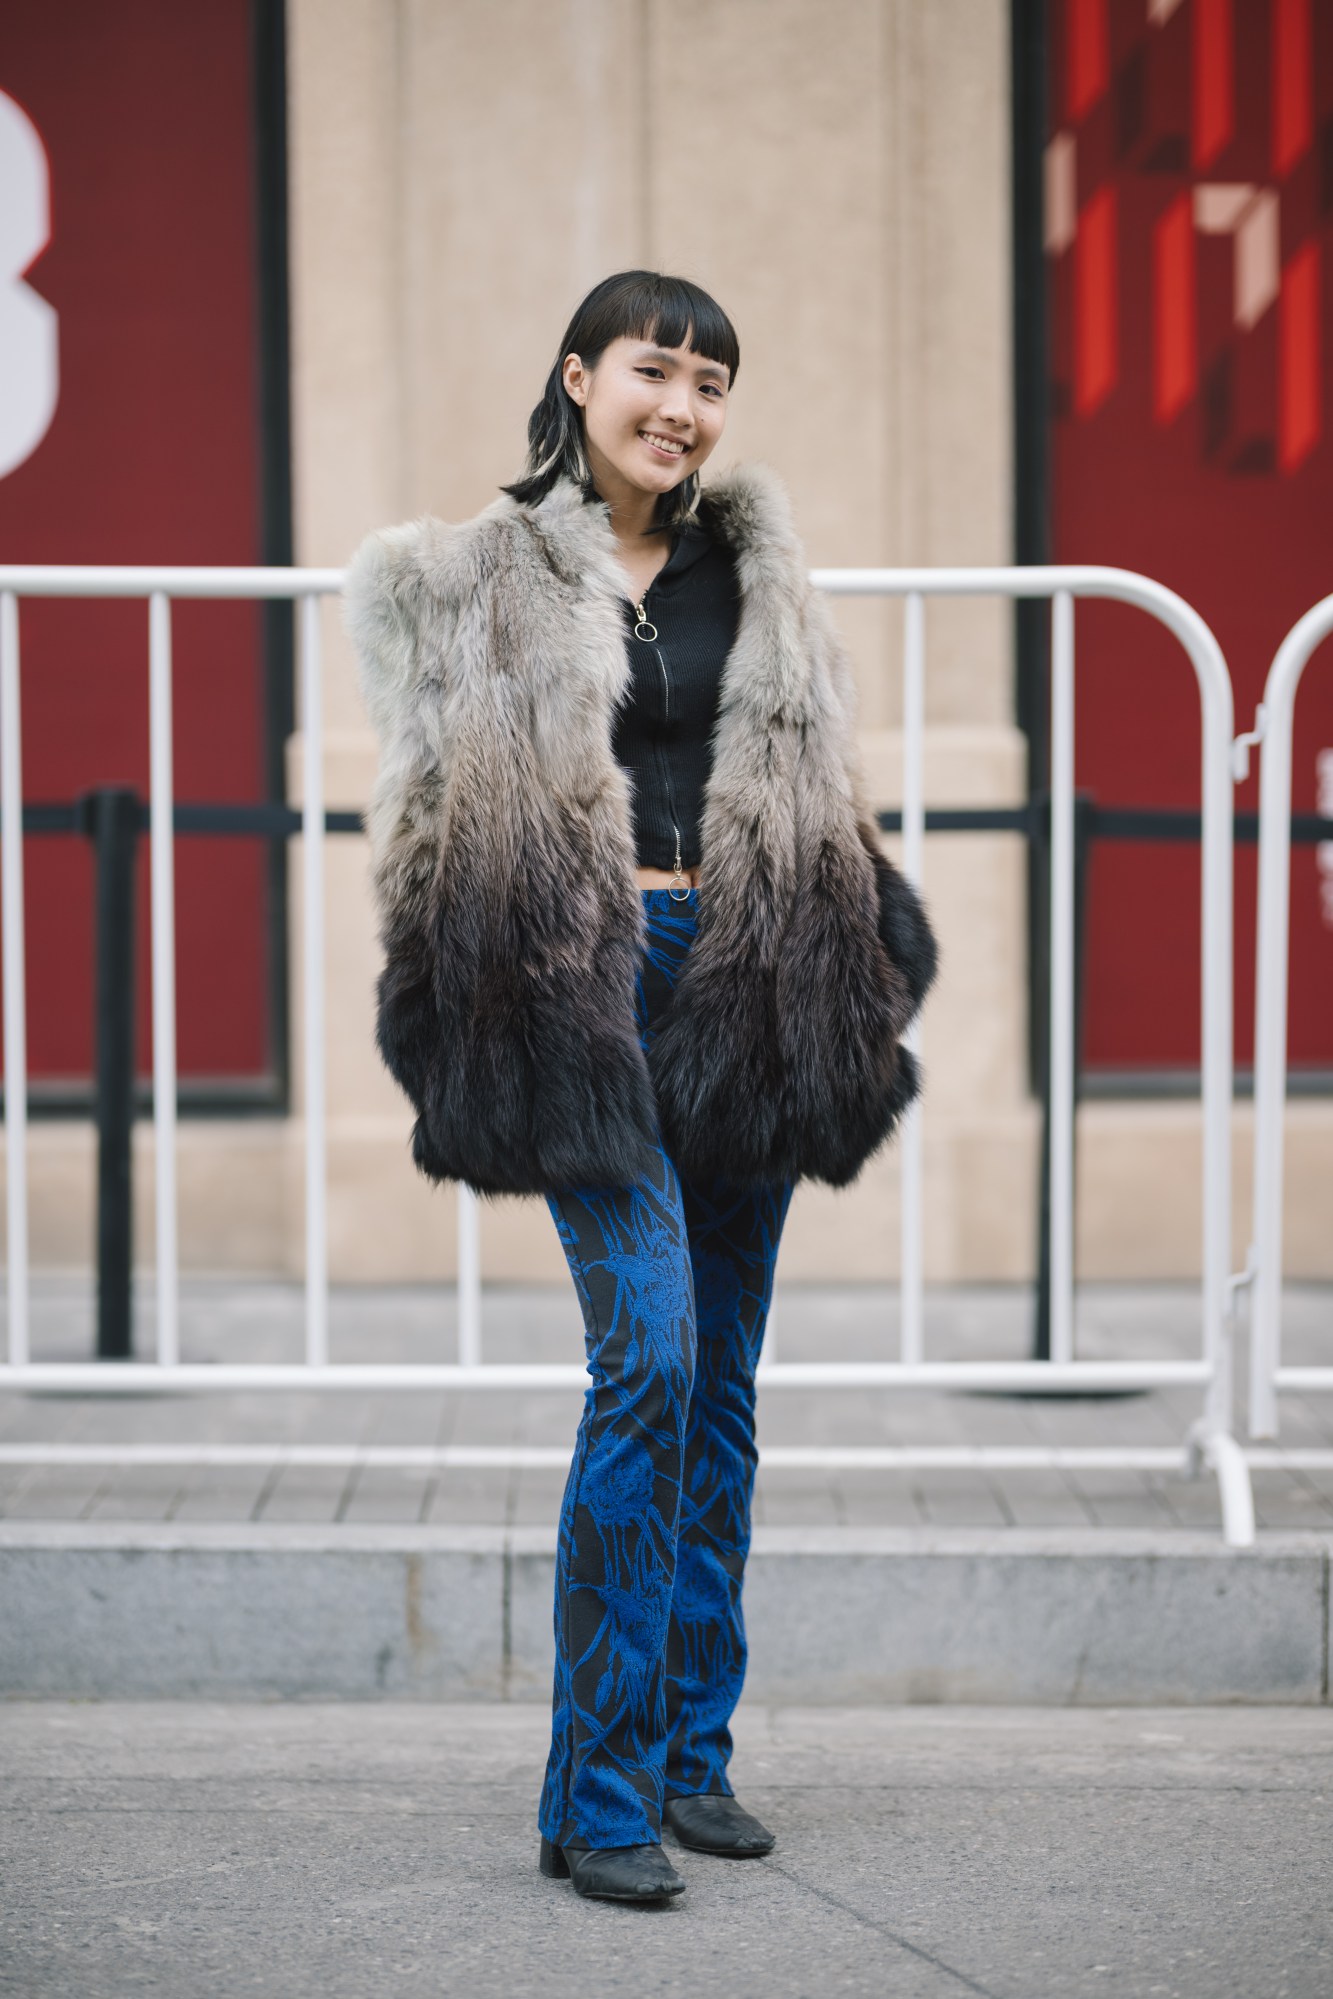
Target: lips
(666, 447)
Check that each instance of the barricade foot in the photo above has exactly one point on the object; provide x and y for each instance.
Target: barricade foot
(1221, 1453)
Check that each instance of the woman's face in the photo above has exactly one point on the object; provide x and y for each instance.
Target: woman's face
(651, 415)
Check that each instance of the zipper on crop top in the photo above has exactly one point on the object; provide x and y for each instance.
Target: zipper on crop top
(646, 632)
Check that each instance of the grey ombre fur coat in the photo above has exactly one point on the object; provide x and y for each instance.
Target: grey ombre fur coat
(491, 658)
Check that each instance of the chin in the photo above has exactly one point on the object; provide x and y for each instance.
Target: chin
(665, 481)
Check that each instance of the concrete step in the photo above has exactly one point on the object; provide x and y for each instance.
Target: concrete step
(838, 1616)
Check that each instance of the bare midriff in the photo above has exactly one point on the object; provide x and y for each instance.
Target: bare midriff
(664, 878)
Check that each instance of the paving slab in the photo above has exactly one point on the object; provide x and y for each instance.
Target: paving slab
(326, 1852)
(261, 1320)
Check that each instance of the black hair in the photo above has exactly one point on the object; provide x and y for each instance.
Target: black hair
(635, 305)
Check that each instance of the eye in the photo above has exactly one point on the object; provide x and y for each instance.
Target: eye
(649, 369)
(714, 389)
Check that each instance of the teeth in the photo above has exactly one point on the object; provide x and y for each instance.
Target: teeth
(663, 443)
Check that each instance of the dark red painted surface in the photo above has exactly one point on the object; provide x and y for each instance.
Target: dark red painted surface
(145, 111)
(1198, 450)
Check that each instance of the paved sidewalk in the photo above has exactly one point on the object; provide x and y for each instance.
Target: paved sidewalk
(227, 1319)
(334, 1853)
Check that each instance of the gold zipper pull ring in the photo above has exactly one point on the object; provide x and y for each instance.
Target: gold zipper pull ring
(644, 629)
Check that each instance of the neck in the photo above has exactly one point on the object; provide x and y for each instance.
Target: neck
(631, 516)
(632, 509)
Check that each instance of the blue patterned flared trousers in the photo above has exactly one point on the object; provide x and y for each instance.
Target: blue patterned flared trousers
(674, 1280)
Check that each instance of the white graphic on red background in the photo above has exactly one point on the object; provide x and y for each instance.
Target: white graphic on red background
(1085, 221)
(29, 358)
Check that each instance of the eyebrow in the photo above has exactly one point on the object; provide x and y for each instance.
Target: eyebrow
(709, 367)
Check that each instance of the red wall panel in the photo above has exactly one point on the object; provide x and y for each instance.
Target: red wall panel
(1190, 315)
(146, 113)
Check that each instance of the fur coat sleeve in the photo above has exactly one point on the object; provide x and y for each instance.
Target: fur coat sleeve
(500, 845)
(904, 928)
(402, 630)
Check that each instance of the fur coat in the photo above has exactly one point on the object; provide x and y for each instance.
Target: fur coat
(491, 657)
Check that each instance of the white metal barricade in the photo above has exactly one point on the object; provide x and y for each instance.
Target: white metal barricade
(1273, 732)
(1210, 1439)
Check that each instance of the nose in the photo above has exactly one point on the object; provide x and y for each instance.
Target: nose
(674, 403)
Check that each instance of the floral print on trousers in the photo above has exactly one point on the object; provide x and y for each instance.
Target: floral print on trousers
(674, 1280)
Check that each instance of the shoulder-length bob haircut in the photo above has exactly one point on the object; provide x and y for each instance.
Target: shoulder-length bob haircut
(638, 305)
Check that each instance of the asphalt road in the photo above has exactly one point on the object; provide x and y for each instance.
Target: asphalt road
(314, 1852)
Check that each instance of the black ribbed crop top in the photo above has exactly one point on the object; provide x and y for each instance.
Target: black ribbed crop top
(662, 734)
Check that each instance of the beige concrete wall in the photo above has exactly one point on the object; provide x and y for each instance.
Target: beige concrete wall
(241, 1195)
(462, 172)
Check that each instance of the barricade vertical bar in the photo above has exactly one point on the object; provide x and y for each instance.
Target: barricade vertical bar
(1216, 974)
(1270, 1047)
(914, 828)
(1062, 977)
(469, 1278)
(16, 1023)
(312, 864)
(161, 834)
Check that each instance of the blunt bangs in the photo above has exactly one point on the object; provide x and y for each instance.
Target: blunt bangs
(670, 312)
(631, 305)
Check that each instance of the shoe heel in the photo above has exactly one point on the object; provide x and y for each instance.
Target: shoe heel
(552, 1862)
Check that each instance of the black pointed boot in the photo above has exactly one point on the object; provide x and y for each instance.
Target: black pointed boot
(613, 1873)
(711, 1823)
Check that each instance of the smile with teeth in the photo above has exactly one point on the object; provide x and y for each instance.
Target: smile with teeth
(672, 445)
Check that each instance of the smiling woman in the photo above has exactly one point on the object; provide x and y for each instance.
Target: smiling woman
(606, 671)
(663, 356)
(649, 362)
(649, 414)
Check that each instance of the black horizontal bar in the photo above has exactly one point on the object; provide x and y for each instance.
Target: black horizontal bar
(50, 819)
(1135, 822)
(260, 820)
(1107, 822)
(1104, 822)
(1027, 819)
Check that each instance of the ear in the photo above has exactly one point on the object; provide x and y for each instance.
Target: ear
(574, 377)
